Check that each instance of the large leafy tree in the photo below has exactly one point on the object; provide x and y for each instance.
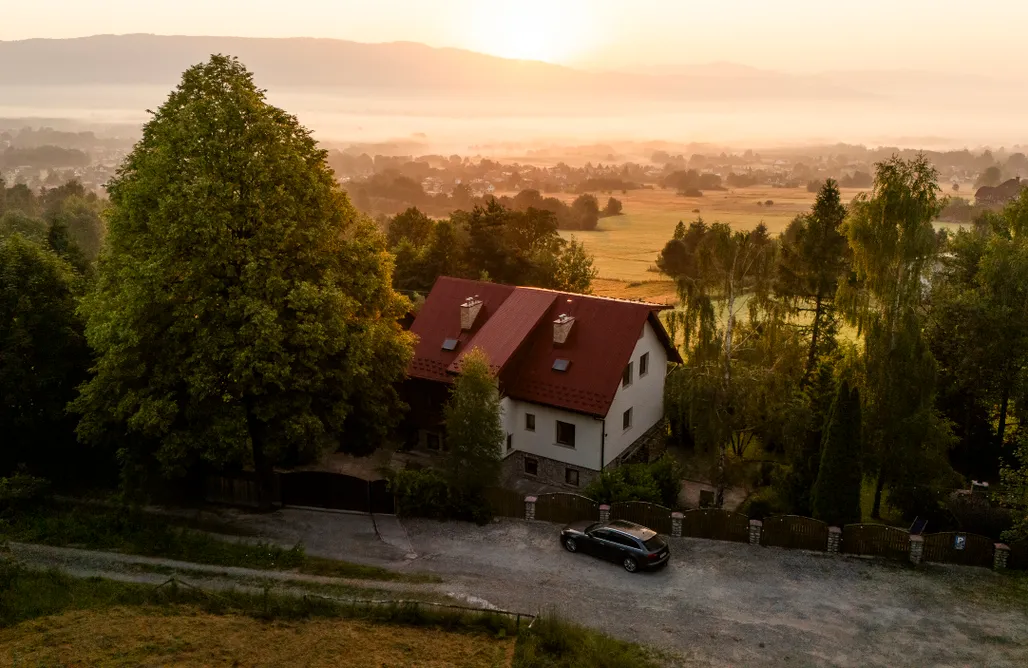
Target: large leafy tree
(894, 248)
(836, 494)
(719, 272)
(474, 433)
(979, 333)
(242, 312)
(43, 357)
(813, 260)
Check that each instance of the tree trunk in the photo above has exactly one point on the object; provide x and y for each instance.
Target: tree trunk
(719, 498)
(1003, 405)
(876, 508)
(814, 334)
(261, 465)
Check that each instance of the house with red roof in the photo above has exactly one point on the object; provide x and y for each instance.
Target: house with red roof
(581, 378)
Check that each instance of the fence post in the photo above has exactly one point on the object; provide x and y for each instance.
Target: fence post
(755, 529)
(834, 538)
(916, 549)
(999, 560)
(604, 513)
(676, 524)
(530, 507)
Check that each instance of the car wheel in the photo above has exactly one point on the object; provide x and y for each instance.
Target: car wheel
(630, 564)
(570, 545)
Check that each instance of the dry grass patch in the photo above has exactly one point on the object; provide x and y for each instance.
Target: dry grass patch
(186, 636)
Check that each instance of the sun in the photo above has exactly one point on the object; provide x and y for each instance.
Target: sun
(550, 31)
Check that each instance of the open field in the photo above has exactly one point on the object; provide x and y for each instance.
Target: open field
(188, 636)
(625, 247)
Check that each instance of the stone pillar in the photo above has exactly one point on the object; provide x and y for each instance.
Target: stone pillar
(676, 524)
(916, 549)
(605, 513)
(999, 561)
(530, 507)
(755, 529)
(834, 539)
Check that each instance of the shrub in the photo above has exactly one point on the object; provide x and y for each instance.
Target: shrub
(426, 493)
(769, 203)
(762, 504)
(657, 482)
(22, 490)
(690, 192)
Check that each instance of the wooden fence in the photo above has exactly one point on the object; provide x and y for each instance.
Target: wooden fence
(564, 508)
(505, 502)
(875, 540)
(796, 532)
(239, 489)
(649, 515)
(976, 550)
(715, 524)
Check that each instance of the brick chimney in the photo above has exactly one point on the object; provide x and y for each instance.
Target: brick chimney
(562, 327)
(469, 311)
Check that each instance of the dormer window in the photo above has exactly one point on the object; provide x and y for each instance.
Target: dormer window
(450, 344)
(560, 365)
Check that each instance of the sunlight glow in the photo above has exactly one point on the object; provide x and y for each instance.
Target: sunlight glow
(548, 30)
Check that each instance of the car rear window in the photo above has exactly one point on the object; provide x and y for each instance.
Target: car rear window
(655, 543)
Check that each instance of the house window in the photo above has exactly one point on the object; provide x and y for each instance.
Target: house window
(571, 477)
(626, 419)
(529, 422)
(531, 466)
(510, 441)
(566, 433)
(644, 364)
(432, 441)
(626, 377)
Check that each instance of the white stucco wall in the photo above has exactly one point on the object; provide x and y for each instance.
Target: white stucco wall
(645, 396)
(543, 441)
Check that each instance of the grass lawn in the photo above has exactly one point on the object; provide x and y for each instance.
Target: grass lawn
(134, 532)
(47, 618)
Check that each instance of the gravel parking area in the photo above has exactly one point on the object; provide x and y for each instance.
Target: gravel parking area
(715, 604)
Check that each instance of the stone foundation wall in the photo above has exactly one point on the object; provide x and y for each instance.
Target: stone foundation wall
(549, 471)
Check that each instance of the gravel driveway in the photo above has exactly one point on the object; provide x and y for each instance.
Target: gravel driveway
(716, 604)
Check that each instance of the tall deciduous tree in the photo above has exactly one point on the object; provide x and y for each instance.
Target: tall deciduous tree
(894, 249)
(812, 262)
(43, 356)
(718, 273)
(474, 434)
(242, 309)
(836, 494)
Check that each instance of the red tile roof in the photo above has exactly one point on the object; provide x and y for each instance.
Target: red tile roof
(515, 330)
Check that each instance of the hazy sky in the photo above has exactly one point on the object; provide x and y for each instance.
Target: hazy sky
(791, 35)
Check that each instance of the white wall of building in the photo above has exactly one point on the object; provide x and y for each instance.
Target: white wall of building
(543, 441)
(645, 396)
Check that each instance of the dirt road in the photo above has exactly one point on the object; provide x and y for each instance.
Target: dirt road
(716, 604)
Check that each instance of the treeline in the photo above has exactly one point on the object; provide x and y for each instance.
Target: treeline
(38, 137)
(932, 391)
(43, 157)
(491, 242)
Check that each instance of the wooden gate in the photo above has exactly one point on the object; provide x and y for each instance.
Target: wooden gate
(793, 531)
(1018, 557)
(716, 524)
(505, 502)
(875, 539)
(232, 491)
(564, 508)
(977, 550)
(383, 501)
(649, 515)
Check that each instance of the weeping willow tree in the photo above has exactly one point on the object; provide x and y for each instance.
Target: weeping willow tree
(894, 250)
(720, 274)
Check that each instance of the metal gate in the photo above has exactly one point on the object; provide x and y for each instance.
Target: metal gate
(876, 540)
(649, 515)
(564, 508)
(802, 533)
(716, 524)
(323, 489)
(954, 547)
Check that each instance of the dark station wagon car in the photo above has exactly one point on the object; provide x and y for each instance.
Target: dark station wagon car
(632, 545)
